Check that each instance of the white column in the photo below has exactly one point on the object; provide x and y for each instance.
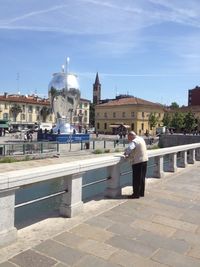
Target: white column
(173, 162)
(8, 233)
(191, 156)
(158, 171)
(113, 184)
(183, 159)
(72, 203)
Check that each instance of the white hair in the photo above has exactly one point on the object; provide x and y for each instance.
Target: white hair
(132, 133)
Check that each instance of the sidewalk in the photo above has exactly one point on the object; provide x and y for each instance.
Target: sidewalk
(162, 229)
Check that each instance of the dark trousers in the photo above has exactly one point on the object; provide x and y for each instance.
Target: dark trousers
(139, 173)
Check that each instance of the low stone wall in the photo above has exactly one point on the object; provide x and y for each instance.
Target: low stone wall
(169, 140)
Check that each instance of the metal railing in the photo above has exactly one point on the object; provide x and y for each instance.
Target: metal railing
(26, 148)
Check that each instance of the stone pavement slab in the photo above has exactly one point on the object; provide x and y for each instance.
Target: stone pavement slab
(160, 230)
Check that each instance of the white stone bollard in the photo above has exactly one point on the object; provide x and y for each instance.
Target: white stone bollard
(8, 233)
(158, 168)
(72, 203)
(183, 159)
(113, 184)
(173, 162)
(191, 156)
(197, 152)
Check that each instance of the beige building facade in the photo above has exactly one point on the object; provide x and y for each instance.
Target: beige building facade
(131, 113)
(81, 115)
(27, 111)
(24, 111)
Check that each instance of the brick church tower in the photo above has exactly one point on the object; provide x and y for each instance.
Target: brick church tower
(96, 91)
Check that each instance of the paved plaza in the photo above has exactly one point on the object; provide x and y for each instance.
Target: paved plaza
(161, 229)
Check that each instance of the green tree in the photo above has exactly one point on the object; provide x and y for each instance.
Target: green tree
(44, 112)
(190, 121)
(15, 110)
(166, 120)
(174, 105)
(153, 120)
(177, 120)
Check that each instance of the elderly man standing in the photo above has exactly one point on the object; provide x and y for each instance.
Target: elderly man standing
(136, 152)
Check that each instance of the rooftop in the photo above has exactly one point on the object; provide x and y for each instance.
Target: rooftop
(129, 101)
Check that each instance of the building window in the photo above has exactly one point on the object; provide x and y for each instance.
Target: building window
(85, 105)
(37, 109)
(114, 114)
(142, 114)
(98, 126)
(5, 105)
(132, 126)
(85, 112)
(105, 126)
(132, 114)
(30, 117)
(80, 105)
(123, 114)
(142, 126)
(105, 115)
(97, 114)
(5, 116)
(22, 116)
(85, 119)
(50, 117)
(23, 108)
(30, 109)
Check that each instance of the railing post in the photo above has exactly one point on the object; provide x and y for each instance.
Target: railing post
(183, 159)
(57, 147)
(173, 162)
(72, 203)
(24, 150)
(158, 168)
(114, 143)
(8, 232)
(197, 154)
(191, 156)
(81, 145)
(113, 184)
(93, 144)
(104, 144)
(41, 148)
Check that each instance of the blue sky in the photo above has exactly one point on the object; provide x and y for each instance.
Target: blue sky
(147, 48)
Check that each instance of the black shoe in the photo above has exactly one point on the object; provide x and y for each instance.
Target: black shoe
(133, 196)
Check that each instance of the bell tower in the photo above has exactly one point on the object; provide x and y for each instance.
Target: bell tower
(96, 91)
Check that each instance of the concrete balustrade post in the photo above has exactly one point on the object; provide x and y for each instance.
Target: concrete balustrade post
(158, 171)
(197, 154)
(191, 156)
(173, 162)
(72, 203)
(8, 233)
(183, 159)
(113, 184)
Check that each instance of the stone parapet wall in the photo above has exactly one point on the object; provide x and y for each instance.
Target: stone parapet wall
(169, 140)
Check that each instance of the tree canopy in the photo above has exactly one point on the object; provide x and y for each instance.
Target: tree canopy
(15, 110)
